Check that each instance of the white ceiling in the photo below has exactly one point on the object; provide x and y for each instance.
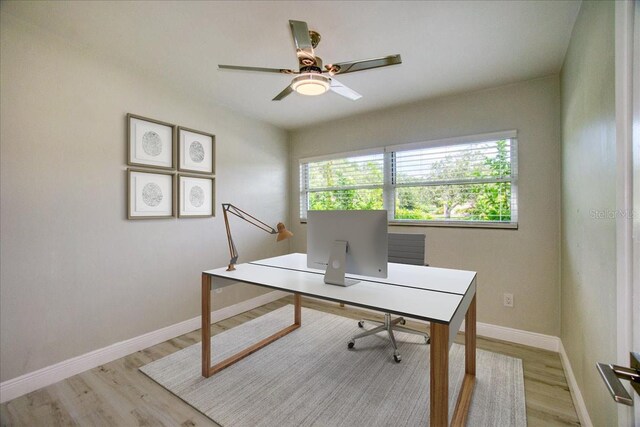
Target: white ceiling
(447, 47)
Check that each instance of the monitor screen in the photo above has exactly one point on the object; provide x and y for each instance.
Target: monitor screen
(362, 233)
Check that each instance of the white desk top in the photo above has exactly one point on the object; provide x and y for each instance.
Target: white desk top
(430, 294)
(413, 276)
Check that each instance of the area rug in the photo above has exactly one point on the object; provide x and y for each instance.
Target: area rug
(310, 378)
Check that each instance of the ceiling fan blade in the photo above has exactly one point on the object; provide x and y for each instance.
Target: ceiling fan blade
(300, 33)
(365, 64)
(302, 40)
(284, 93)
(263, 70)
(341, 89)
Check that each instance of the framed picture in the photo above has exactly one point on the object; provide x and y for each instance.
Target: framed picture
(150, 142)
(195, 196)
(150, 194)
(196, 151)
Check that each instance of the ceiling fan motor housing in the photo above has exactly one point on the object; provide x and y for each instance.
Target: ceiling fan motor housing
(310, 64)
(311, 69)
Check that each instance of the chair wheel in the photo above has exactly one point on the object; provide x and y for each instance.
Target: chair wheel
(397, 358)
(403, 322)
(361, 324)
(351, 344)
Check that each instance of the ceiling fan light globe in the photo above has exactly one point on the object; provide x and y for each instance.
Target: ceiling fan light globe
(311, 84)
(311, 88)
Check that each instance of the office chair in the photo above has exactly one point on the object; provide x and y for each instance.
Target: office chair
(403, 249)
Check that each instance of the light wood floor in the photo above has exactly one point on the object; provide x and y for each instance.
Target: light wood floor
(118, 394)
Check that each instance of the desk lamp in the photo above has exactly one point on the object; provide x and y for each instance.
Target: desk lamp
(281, 231)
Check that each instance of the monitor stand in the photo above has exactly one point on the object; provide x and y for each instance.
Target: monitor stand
(336, 268)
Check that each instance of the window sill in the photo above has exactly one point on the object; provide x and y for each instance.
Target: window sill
(452, 224)
(456, 224)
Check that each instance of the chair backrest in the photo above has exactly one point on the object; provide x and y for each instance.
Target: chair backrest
(407, 248)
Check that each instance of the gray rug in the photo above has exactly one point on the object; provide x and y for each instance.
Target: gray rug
(310, 378)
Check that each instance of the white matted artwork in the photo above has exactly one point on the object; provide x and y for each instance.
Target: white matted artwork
(151, 143)
(150, 194)
(196, 151)
(195, 196)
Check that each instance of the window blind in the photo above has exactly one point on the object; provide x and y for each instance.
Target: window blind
(342, 184)
(462, 181)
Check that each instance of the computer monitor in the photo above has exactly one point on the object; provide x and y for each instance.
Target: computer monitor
(353, 242)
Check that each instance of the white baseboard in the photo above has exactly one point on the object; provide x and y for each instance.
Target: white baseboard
(576, 395)
(518, 336)
(31, 381)
(532, 339)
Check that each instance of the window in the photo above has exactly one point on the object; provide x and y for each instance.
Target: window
(346, 183)
(470, 181)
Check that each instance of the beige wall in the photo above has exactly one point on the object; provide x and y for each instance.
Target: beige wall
(75, 274)
(524, 262)
(588, 187)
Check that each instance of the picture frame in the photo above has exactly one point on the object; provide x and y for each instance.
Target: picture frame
(150, 194)
(150, 143)
(196, 151)
(196, 196)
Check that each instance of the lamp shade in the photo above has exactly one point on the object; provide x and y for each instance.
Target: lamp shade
(283, 233)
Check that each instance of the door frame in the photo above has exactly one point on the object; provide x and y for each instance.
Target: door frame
(635, 144)
(627, 101)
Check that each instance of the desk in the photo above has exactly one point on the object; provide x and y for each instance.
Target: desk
(443, 297)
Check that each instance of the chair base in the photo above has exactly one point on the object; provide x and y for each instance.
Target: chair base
(388, 325)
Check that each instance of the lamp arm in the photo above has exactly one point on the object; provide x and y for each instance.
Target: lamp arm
(229, 208)
(233, 253)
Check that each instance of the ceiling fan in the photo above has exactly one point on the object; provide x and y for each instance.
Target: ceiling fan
(311, 78)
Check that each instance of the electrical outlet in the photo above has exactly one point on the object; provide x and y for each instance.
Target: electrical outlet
(507, 300)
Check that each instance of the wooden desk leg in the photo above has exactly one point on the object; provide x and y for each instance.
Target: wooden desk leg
(439, 376)
(206, 325)
(297, 309)
(470, 339)
(207, 369)
(469, 381)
